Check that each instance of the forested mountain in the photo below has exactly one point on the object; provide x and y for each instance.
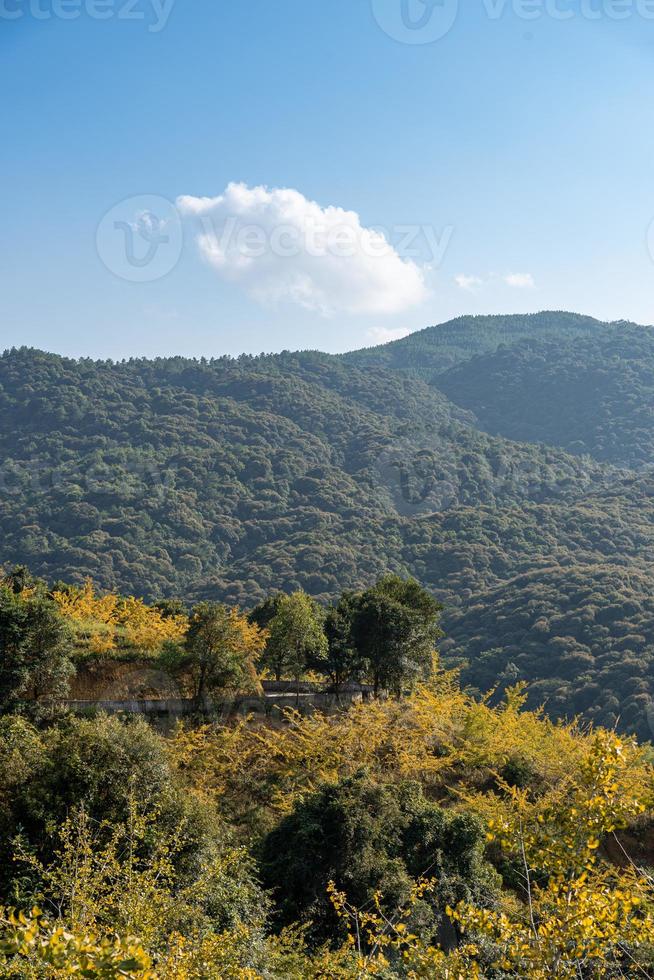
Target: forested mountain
(429, 353)
(261, 473)
(593, 394)
(500, 460)
(582, 634)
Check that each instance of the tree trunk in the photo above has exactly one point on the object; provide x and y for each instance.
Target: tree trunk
(202, 681)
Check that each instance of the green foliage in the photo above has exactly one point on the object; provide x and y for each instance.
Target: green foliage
(368, 838)
(430, 353)
(296, 637)
(35, 648)
(593, 394)
(265, 611)
(228, 480)
(97, 824)
(342, 661)
(100, 763)
(580, 636)
(395, 630)
(221, 648)
(428, 838)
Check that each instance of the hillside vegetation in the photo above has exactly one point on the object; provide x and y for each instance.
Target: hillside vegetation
(429, 837)
(431, 352)
(456, 825)
(489, 458)
(593, 395)
(581, 634)
(157, 476)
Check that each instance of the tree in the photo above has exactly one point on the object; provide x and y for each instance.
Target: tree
(35, 647)
(106, 621)
(171, 608)
(29, 943)
(341, 661)
(19, 579)
(296, 636)
(580, 916)
(265, 611)
(221, 650)
(395, 627)
(367, 837)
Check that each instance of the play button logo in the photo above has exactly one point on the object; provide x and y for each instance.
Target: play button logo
(416, 21)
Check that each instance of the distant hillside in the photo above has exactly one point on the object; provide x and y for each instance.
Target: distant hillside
(230, 479)
(582, 635)
(590, 395)
(429, 353)
(160, 477)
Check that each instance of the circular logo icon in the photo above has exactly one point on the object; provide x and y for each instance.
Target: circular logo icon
(416, 21)
(140, 239)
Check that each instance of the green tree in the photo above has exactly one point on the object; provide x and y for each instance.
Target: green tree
(341, 661)
(221, 649)
(395, 627)
(367, 838)
(296, 636)
(171, 607)
(19, 579)
(35, 648)
(265, 611)
(97, 825)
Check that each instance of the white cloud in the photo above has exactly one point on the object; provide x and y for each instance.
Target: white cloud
(281, 247)
(384, 335)
(520, 280)
(469, 283)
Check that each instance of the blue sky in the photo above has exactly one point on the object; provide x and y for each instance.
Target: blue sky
(521, 147)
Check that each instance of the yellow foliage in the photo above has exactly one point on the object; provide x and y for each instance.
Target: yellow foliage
(29, 943)
(374, 940)
(573, 915)
(438, 736)
(579, 916)
(568, 913)
(105, 623)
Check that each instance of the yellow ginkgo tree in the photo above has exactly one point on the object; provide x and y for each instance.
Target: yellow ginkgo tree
(31, 947)
(574, 913)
